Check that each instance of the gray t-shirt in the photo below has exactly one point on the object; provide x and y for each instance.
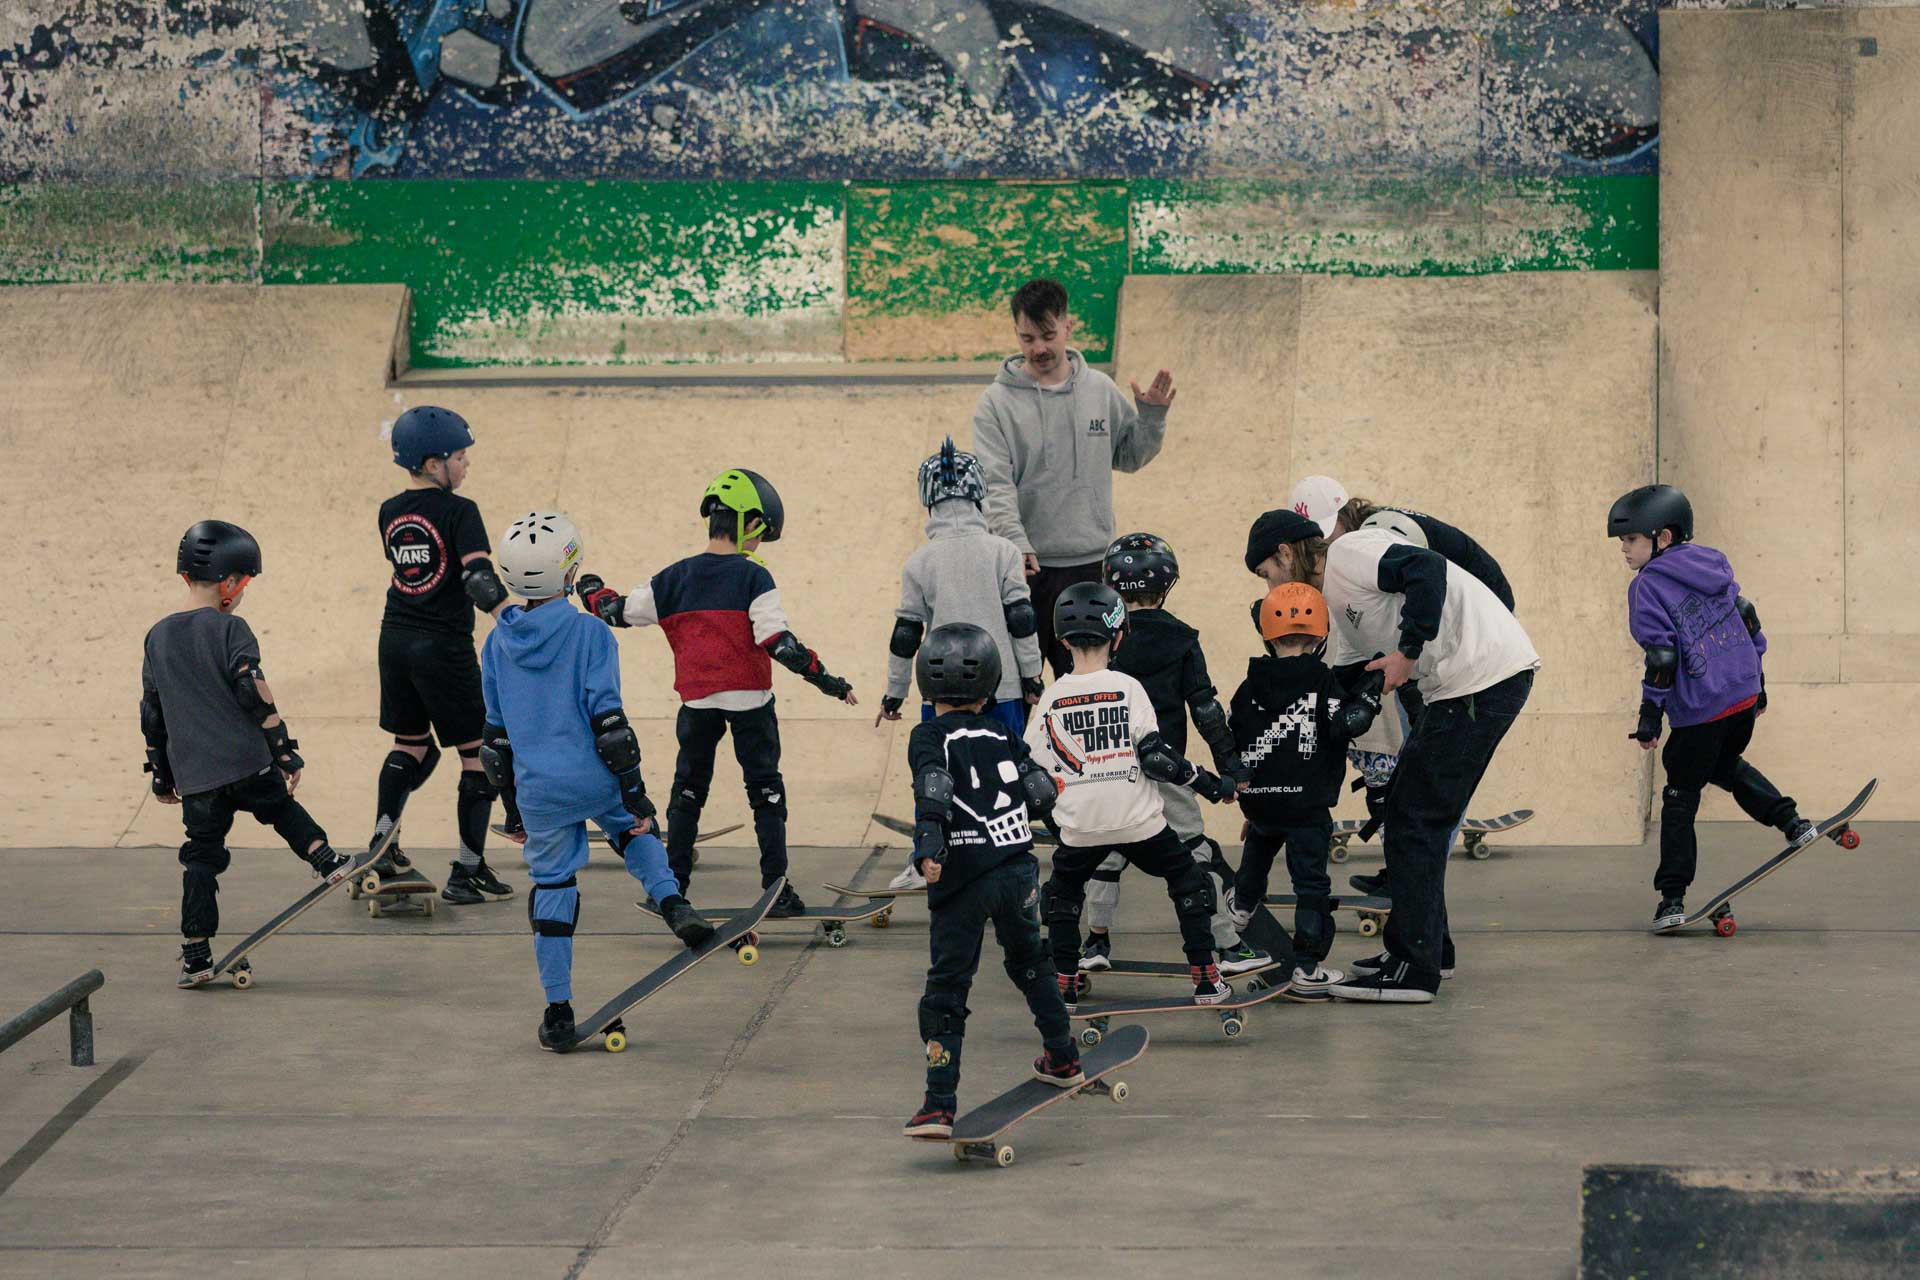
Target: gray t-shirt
(189, 661)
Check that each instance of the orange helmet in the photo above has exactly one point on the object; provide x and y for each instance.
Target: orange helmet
(1293, 609)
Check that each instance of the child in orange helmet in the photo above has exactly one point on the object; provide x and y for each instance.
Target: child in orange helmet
(1291, 722)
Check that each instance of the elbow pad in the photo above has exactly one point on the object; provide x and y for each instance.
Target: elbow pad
(153, 727)
(483, 585)
(1022, 621)
(247, 682)
(1663, 663)
(805, 663)
(1041, 790)
(496, 758)
(1161, 762)
(905, 640)
(1359, 708)
(619, 750)
(932, 808)
(1748, 614)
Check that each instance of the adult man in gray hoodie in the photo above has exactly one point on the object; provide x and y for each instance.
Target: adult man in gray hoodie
(1049, 433)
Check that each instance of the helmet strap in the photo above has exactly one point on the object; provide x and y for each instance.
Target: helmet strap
(229, 595)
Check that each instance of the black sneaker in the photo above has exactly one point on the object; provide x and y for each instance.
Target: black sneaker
(196, 964)
(1800, 833)
(1670, 915)
(1366, 965)
(329, 864)
(787, 905)
(1393, 983)
(392, 862)
(1207, 987)
(934, 1119)
(687, 924)
(1060, 1069)
(1372, 886)
(469, 886)
(556, 1028)
(1097, 955)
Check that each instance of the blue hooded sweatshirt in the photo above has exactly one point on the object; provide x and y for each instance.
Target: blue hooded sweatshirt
(545, 672)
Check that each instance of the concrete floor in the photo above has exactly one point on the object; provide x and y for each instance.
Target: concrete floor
(377, 1106)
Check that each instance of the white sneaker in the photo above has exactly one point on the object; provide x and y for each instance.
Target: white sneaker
(1318, 978)
(908, 879)
(1235, 914)
(1242, 959)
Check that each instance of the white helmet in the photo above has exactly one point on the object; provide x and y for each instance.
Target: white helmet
(1399, 524)
(539, 554)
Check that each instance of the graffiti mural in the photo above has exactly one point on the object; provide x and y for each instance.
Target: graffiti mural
(879, 89)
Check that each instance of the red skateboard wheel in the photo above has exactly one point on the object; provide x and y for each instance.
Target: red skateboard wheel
(1724, 926)
(1849, 839)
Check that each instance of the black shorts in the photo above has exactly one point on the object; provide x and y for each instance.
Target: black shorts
(430, 680)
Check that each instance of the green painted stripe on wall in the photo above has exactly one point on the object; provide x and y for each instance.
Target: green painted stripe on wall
(203, 233)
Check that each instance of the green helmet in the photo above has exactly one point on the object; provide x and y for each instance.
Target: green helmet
(756, 502)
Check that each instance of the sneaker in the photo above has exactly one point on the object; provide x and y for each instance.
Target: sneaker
(1670, 915)
(1375, 963)
(1235, 914)
(1059, 1069)
(1207, 987)
(1371, 886)
(392, 862)
(934, 1119)
(787, 905)
(1392, 983)
(196, 964)
(1097, 955)
(484, 879)
(1243, 957)
(329, 864)
(1800, 833)
(687, 924)
(1069, 984)
(1314, 976)
(468, 886)
(908, 879)
(556, 1028)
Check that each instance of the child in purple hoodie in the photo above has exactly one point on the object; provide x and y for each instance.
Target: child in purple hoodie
(1703, 645)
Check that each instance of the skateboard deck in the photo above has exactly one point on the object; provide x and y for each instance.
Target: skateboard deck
(903, 828)
(1161, 969)
(1836, 829)
(358, 873)
(407, 894)
(1373, 912)
(979, 1131)
(1473, 833)
(884, 918)
(833, 921)
(1229, 1010)
(736, 933)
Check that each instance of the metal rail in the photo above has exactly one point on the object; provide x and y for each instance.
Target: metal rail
(71, 999)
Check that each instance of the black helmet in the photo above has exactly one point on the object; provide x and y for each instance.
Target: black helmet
(958, 663)
(1141, 562)
(748, 494)
(1089, 612)
(213, 549)
(1648, 510)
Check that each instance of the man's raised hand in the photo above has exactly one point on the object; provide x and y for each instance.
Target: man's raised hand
(1161, 392)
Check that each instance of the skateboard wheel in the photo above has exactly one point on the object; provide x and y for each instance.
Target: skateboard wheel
(749, 954)
(1090, 1037)
(1369, 926)
(1083, 983)
(242, 979)
(1848, 838)
(433, 905)
(1119, 1091)
(1339, 852)
(373, 908)
(1231, 1027)
(616, 1042)
(1724, 926)
(1340, 839)
(959, 1154)
(836, 937)
(1256, 984)
(1477, 850)
(370, 883)
(1003, 1156)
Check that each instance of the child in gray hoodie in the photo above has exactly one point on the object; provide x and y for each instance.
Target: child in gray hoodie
(962, 573)
(1049, 433)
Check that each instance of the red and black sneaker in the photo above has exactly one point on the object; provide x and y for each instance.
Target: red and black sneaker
(1207, 987)
(934, 1119)
(1061, 1068)
(1069, 988)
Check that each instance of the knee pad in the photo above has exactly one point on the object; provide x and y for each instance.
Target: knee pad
(419, 770)
(1059, 905)
(1192, 892)
(204, 856)
(1678, 802)
(474, 785)
(768, 794)
(554, 909)
(687, 800)
(942, 1013)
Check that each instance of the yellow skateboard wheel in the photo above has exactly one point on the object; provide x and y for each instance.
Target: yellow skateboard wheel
(749, 954)
(616, 1041)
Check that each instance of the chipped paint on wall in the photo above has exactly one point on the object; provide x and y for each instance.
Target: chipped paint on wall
(189, 233)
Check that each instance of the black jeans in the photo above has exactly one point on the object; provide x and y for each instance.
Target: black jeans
(1440, 766)
(1046, 587)
(1161, 854)
(208, 816)
(1307, 849)
(1695, 756)
(1009, 896)
(756, 745)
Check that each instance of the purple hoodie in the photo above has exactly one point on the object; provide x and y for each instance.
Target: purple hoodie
(1683, 598)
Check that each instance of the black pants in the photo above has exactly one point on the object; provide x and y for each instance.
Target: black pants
(1440, 766)
(1046, 587)
(1009, 896)
(1695, 756)
(1162, 855)
(756, 745)
(1307, 847)
(208, 816)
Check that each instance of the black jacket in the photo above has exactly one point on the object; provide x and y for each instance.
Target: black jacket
(988, 824)
(1458, 548)
(1163, 654)
(1289, 742)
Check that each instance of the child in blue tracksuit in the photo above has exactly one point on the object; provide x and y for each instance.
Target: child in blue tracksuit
(558, 742)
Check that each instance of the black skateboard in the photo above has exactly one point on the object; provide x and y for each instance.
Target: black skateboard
(978, 1132)
(1229, 1011)
(833, 921)
(1837, 829)
(1473, 833)
(737, 933)
(405, 893)
(884, 918)
(359, 872)
(1373, 912)
(901, 827)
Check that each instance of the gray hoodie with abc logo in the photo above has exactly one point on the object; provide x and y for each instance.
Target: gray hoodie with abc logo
(1049, 454)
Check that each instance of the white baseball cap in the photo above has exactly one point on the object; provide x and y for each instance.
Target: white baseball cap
(1319, 499)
